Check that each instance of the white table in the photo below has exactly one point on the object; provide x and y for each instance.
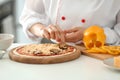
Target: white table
(84, 68)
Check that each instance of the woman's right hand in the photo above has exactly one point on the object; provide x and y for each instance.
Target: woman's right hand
(50, 32)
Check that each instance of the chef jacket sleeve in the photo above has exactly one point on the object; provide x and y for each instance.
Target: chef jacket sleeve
(113, 34)
(33, 12)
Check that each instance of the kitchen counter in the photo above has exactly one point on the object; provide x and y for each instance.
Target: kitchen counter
(83, 68)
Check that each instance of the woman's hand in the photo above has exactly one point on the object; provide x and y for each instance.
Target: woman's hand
(74, 35)
(50, 32)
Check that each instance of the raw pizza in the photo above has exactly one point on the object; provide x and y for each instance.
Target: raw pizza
(45, 49)
(44, 53)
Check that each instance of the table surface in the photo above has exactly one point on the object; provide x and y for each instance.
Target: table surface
(83, 68)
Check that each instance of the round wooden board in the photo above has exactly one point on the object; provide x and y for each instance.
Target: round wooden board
(44, 59)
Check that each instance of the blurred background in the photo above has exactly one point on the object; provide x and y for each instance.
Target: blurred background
(10, 11)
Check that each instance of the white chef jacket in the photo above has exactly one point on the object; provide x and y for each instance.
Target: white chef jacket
(74, 13)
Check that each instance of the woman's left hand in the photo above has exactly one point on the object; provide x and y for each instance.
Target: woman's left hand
(74, 35)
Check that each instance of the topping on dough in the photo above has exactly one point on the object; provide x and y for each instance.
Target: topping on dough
(63, 46)
(45, 49)
(55, 51)
(37, 52)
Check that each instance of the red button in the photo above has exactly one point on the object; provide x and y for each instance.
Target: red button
(83, 21)
(63, 18)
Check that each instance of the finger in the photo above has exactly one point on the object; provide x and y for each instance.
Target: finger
(45, 34)
(62, 37)
(51, 32)
(56, 31)
(62, 34)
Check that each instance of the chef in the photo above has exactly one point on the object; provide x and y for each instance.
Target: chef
(66, 20)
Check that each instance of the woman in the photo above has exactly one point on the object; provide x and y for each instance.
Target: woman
(66, 20)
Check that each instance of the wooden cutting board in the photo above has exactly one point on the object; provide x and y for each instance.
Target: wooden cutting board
(94, 55)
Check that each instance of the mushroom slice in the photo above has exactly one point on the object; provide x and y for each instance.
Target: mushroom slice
(37, 52)
(54, 51)
(63, 46)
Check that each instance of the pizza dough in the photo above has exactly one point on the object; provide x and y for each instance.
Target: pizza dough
(44, 53)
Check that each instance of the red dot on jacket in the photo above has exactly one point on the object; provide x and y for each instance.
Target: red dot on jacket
(63, 18)
(83, 20)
